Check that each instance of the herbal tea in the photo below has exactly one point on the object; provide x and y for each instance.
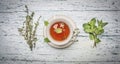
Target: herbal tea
(59, 31)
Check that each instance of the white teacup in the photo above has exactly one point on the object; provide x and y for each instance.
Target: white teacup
(65, 20)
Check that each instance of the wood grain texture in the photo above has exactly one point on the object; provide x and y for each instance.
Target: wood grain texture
(14, 50)
(15, 20)
(67, 5)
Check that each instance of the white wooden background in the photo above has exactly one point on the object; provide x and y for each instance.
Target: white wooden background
(14, 50)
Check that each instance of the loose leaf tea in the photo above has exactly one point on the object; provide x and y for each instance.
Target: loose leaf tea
(94, 28)
(28, 30)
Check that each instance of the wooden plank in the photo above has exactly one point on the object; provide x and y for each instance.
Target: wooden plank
(14, 50)
(11, 21)
(58, 62)
(66, 5)
(14, 47)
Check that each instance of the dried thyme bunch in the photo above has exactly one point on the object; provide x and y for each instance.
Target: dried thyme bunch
(28, 30)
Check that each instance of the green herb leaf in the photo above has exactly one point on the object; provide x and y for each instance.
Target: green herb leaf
(88, 30)
(99, 31)
(92, 22)
(86, 26)
(29, 28)
(94, 29)
(97, 40)
(58, 30)
(104, 24)
(46, 23)
(91, 36)
(99, 23)
(46, 40)
(100, 28)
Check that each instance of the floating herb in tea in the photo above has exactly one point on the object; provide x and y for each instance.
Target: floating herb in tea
(28, 30)
(94, 29)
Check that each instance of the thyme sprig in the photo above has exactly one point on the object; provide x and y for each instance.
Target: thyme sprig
(28, 30)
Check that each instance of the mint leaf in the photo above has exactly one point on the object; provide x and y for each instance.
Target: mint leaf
(46, 40)
(100, 28)
(46, 23)
(86, 26)
(88, 30)
(91, 36)
(94, 29)
(99, 23)
(99, 31)
(97, 40)
(104, 24)
(92, 22)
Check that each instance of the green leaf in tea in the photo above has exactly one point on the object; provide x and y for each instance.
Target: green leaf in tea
(28, 30)
(94, 28)
(58, 30)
